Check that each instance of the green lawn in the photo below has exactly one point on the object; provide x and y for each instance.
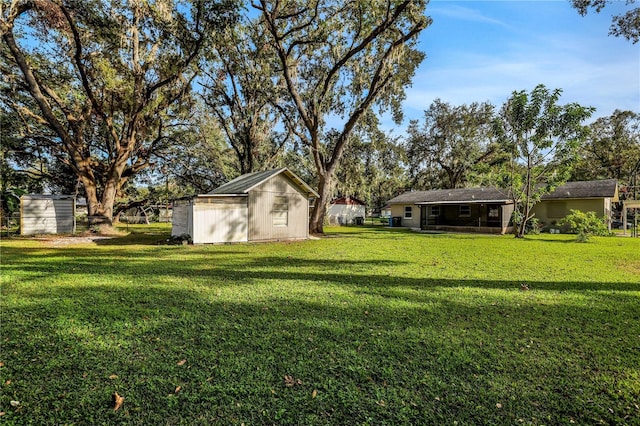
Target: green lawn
(370, 325)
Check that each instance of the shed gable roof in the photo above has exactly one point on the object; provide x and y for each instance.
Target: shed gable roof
(245, 183)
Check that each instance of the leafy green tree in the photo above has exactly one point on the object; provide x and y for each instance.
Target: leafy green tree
(26, 159)
(612, 149)
(373, 167)
(198, 159)
(336, 60)
(108, 78)
(542, 139)
(451, 144)
(240, 93)
(627, 25)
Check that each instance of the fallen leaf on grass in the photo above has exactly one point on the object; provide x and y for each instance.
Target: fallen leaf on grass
(2, 413)
(182, 362)
(113, 376)
(8, 382)
(178, 388)
(15, 403)
(381, 403)
(289, 381)
(498, 405)
(314, 393)
(117, 401)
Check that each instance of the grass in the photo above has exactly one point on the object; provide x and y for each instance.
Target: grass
(370, 325)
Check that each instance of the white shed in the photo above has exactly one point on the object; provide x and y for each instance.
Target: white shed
(261, 206)
(345, 210)
(47, 214)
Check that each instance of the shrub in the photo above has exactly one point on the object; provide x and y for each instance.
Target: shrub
(584, 224)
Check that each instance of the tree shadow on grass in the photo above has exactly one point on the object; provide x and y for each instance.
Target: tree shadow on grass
(427, 360)
(228, 268)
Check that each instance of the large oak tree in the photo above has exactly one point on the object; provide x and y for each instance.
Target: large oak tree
(241, 95)
(612, 149)
(451, 144)
(107, 77)
(336, 61)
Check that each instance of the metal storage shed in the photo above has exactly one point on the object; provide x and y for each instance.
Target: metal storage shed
(261, 206)
(47, 214)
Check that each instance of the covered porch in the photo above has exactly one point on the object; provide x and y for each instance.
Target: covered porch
(479, 217)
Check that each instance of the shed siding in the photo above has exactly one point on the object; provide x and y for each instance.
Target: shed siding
(181, 218)
(219, 220)
(261, 211)
(47, 215)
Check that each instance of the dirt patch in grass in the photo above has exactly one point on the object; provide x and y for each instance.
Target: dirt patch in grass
(84, 239)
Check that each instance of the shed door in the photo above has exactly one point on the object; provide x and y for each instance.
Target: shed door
(220, 223)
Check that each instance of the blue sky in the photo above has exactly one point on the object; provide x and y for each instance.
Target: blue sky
(485, 50)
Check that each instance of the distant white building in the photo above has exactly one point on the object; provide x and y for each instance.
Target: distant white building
(346, 211)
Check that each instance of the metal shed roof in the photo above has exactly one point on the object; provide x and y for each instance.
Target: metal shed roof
(245, 183)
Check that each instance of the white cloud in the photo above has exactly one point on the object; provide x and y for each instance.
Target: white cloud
(463, 13)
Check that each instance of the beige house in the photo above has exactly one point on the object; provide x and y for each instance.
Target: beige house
(489, 210)
(262, 206)
(486, 210)
(595, 196)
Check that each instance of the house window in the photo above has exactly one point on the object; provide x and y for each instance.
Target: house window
(408, 212)
(465, 210)
(494, 212)
(435, 211)
(280, 211)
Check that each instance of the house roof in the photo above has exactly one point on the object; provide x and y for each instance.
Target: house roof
(347, 200)
(245, 183)
(461, 195)
(585, 189)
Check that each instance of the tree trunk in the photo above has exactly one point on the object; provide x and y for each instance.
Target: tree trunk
(526, 208)
(316, 223)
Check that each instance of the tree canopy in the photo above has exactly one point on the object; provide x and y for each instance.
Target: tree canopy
(542, 139)
(626, 25)
(612, 148)
(107, 78)
(335, 62)
(451, 145)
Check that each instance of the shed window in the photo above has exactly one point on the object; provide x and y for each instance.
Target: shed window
(408, 212)
(434, 211)
(280, 211)
(465, 210)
